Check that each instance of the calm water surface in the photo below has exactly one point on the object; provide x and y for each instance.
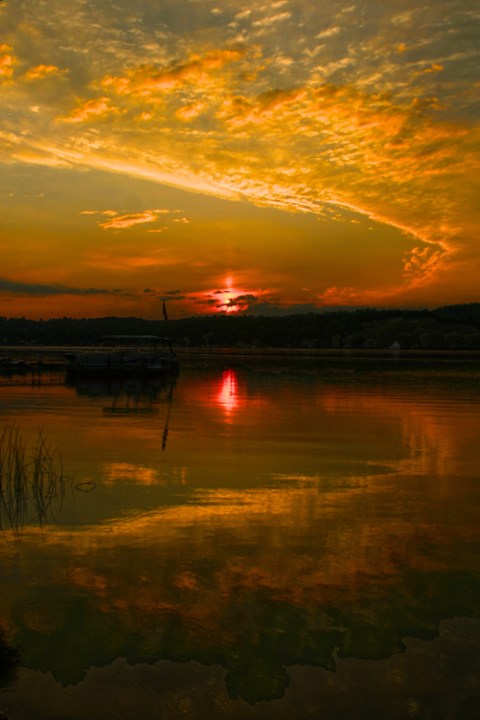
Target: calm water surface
(249, 544)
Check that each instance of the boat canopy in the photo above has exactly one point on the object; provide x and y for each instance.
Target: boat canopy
(136, 338)
(152, 341)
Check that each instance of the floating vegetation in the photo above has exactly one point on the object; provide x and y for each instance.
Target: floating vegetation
(86, 486)
(31, 478)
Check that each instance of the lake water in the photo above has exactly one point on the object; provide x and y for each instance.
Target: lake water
(254, 543)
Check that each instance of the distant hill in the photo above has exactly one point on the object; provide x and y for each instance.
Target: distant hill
(454, 327)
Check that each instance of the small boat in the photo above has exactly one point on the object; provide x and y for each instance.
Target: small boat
(126, 356)
(10, 366)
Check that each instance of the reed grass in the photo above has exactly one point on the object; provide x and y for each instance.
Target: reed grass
(31, 478)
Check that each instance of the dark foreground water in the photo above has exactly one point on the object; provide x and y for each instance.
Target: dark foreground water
(247, 544)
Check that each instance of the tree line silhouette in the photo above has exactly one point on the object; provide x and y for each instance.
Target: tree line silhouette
(455, 327)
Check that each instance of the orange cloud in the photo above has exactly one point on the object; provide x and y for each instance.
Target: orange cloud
(7, 61)
(149, 80)
(42, 71)
(189, 112)
(91, 110)
(238, 111)
(421, 264)
(121, 222)
(353, 296)
(329, 32)
(271, 19)
(434, 67)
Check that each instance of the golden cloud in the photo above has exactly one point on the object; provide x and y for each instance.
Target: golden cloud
(91, 110)
(421, 264)
(271, 19)
(149, 80)
(7, 62)
(351, 296)
(43, 71)
(239, 111)
(186, 113)
(329, 32)
(121, 222)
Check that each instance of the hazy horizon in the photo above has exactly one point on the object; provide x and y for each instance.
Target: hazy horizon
(275, 312)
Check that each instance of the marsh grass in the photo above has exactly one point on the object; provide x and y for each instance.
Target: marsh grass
(31, 478)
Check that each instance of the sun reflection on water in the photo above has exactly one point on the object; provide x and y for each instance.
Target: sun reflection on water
(227, 396)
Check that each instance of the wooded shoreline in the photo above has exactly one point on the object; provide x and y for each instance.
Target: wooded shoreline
(452, 328)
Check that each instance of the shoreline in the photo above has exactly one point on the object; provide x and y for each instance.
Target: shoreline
(45, 358)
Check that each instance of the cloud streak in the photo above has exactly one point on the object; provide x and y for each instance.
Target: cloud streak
(122, 222)
(39, 289)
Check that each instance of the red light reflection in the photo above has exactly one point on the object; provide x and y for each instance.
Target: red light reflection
(228, 394)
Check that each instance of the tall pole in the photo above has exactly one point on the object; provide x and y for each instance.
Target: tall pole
(165, 317)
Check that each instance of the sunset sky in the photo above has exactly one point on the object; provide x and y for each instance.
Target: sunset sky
(237, 156)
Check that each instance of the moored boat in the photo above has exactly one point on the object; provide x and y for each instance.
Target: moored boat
(11, 366)
(125, 356)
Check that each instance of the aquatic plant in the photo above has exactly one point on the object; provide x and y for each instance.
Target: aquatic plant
(31, 477)
(9, 661)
